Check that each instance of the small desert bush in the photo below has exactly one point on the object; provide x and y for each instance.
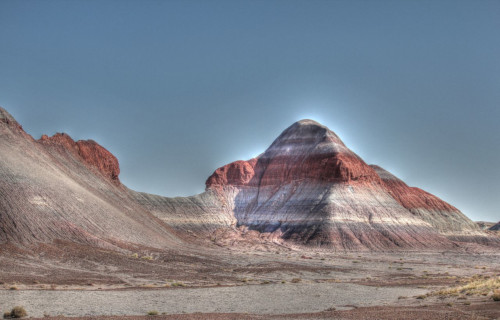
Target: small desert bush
(296, 280)
(152, 313)
(13, 288)
(16, 312)
(147, 258)
(496, 295)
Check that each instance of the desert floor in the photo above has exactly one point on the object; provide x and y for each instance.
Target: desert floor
(236, 284)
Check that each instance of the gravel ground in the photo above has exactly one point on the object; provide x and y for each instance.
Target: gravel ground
(260, 299)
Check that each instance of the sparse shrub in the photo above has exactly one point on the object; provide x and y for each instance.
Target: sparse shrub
(296, 280)
(16, 312)
(152, 313)
(178, 284)
(13, 288)
(283, 281)
(266, 282)
(421, 297)
(355, 261)
(135, 256)
(496, 295)
(147, 258)
(449, 304)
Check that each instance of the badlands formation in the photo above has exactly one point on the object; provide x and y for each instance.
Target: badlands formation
(307, 189)
(305, 230)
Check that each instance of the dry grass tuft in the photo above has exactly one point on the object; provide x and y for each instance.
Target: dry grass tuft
(496, 295)
(178, 284)
(477, 286)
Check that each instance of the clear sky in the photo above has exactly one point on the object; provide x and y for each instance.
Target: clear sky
(176, 89)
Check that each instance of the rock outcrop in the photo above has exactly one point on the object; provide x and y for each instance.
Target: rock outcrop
(92, 154)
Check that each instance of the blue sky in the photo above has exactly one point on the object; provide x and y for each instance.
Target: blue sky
(177, 88)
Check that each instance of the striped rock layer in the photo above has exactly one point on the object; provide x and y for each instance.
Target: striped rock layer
(310, 188)
(307, 188)
(58, 189)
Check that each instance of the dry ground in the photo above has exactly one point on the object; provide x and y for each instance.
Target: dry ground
(281, 283)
